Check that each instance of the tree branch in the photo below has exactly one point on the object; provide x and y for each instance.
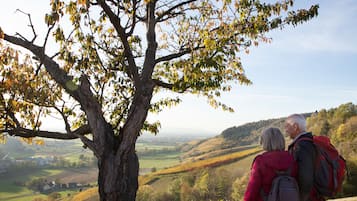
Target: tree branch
(167, 12)
(173, 56)
(169, 86)
(131, 31)
(81, 94)
(115, 20)
(31, 25)
(149, 61)
(28, 133)
(177, 55)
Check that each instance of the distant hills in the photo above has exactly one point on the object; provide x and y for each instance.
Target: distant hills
(230, 140)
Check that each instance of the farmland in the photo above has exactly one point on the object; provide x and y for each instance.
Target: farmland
(68, 162)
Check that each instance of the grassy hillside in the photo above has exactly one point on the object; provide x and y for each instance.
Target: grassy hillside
(230, 139)
(205, 163)
(234, 164)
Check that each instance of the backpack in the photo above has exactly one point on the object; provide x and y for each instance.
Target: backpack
(330, 167)
(283, 188)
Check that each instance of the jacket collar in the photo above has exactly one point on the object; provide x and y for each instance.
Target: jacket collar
(303, 134)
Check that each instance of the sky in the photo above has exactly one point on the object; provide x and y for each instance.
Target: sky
(306, 68)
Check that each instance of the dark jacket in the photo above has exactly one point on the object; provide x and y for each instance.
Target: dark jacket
(305, 154)
(264, 170)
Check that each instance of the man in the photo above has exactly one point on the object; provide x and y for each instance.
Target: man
(304, 153)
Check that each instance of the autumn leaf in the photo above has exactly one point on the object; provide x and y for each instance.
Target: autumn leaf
(82, 2)
(27, 140)
(39, 142)
(2, 139)
(1, 34)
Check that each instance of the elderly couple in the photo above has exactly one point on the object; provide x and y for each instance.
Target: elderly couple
(300, 156)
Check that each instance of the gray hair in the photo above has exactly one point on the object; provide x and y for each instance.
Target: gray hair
(272, 140)
(299, 119)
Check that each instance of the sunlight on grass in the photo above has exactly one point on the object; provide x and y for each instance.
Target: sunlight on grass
(87, 195)
(209, 162)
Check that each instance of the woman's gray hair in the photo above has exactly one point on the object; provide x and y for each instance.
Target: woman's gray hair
(299, 119)
(272, 140)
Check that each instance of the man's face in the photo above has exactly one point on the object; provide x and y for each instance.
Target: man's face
(291, 129)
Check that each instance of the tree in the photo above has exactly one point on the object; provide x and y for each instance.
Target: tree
(105, 72)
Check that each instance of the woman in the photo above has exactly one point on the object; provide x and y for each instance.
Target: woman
(265, 165)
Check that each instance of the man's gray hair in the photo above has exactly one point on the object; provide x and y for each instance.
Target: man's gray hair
(272, 140)
(299, 119)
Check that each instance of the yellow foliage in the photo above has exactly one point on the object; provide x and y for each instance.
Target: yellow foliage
(39, 142)
(82, 2)
(1, 34)
(189, 166)
(2, 139)
(209, 43)
(87, 195)
(27, 140)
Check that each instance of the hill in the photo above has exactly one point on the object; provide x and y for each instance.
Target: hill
(230, 140)
(218, 168)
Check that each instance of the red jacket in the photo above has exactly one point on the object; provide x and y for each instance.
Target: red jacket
(263, 172)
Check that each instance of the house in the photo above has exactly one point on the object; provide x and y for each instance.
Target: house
(3, 169)
(46, 187)
(72, 185)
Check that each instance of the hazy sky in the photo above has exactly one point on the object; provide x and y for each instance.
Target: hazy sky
(306, 68)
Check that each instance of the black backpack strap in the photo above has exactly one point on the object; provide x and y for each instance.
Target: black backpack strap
(263, 195)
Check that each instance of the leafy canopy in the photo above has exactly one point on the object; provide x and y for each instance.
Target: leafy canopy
(184, 46)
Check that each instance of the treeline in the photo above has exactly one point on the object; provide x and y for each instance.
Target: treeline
(249, 133)
(340, 124)
(206, 184)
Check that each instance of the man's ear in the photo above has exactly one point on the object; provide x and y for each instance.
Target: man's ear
(296, 127)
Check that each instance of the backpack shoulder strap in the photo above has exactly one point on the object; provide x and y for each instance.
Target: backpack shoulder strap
(292, 147)
(304, 138)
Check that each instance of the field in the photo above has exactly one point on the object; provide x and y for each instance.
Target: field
(160, 161)
(153, 155)
(238, 164)
(236, 169)
(9, 191)
(229, 160)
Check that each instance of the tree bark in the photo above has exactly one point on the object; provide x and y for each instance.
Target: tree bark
(118, 181)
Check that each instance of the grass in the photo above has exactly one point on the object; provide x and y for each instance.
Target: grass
(159, 161)
(87, 195)
(189, 166)
(212, 162)
(9, 190)
(236, 163)
(145, 146)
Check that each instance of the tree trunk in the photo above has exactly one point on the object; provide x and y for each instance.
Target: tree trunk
(117, 162)
(118, 181)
